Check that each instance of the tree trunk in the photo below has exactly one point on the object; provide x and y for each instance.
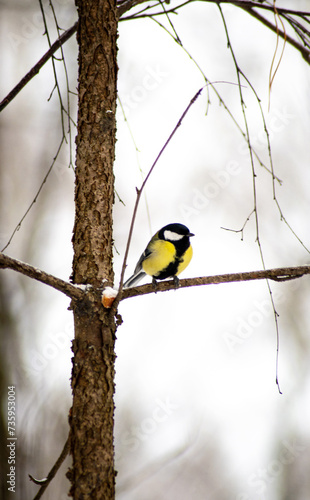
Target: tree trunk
(92, 474)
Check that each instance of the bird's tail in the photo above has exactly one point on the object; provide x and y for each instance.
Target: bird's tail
(134, 279)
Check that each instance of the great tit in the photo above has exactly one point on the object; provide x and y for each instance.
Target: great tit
(168, 253)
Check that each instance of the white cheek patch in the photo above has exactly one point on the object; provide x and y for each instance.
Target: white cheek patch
(171, 236)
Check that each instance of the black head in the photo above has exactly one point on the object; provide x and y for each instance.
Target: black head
(174, 232)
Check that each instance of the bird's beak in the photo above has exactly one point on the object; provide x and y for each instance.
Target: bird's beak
(191, 234)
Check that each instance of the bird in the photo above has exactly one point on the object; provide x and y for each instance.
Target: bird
(167, 254)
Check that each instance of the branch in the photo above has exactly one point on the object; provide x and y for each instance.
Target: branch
(280, 274)
(259, 4)
(68, 289)
(139, 191)
(52, 473)
(243, 4)
(125, 6)
(304, 52)
(18, 226)
(36, 68)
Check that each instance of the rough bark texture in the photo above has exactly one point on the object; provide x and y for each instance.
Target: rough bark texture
(95, 142)
(92, 474)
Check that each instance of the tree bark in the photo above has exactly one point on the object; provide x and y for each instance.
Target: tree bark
(92, 416)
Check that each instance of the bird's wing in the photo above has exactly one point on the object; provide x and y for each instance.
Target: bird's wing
(134, 279)
(138, 273)
(147, 252)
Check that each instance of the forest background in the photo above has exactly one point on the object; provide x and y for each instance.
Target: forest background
(197, 407)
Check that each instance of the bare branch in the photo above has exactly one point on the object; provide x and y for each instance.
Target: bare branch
(68, 289)
(240, 74)
(280, 274)
(36, 68)
(125, 6)
(304, 52)
(139, 191)
(64, 113)
(243, 4)
(18, 225)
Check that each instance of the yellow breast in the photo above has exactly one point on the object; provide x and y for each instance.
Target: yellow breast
(187, 257)
(162, 254)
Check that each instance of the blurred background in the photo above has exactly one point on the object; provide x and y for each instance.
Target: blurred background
(198, 413)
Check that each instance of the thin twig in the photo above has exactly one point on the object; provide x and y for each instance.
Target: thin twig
(125, 6)
(240, 74)
(273, 72)
(241, 230)
(139, 191)
(176, 38)
(36, 68)
(63, 110)
(248, 6)
(137, 151)
(304, 52)
(46, 481)
(18, 225)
